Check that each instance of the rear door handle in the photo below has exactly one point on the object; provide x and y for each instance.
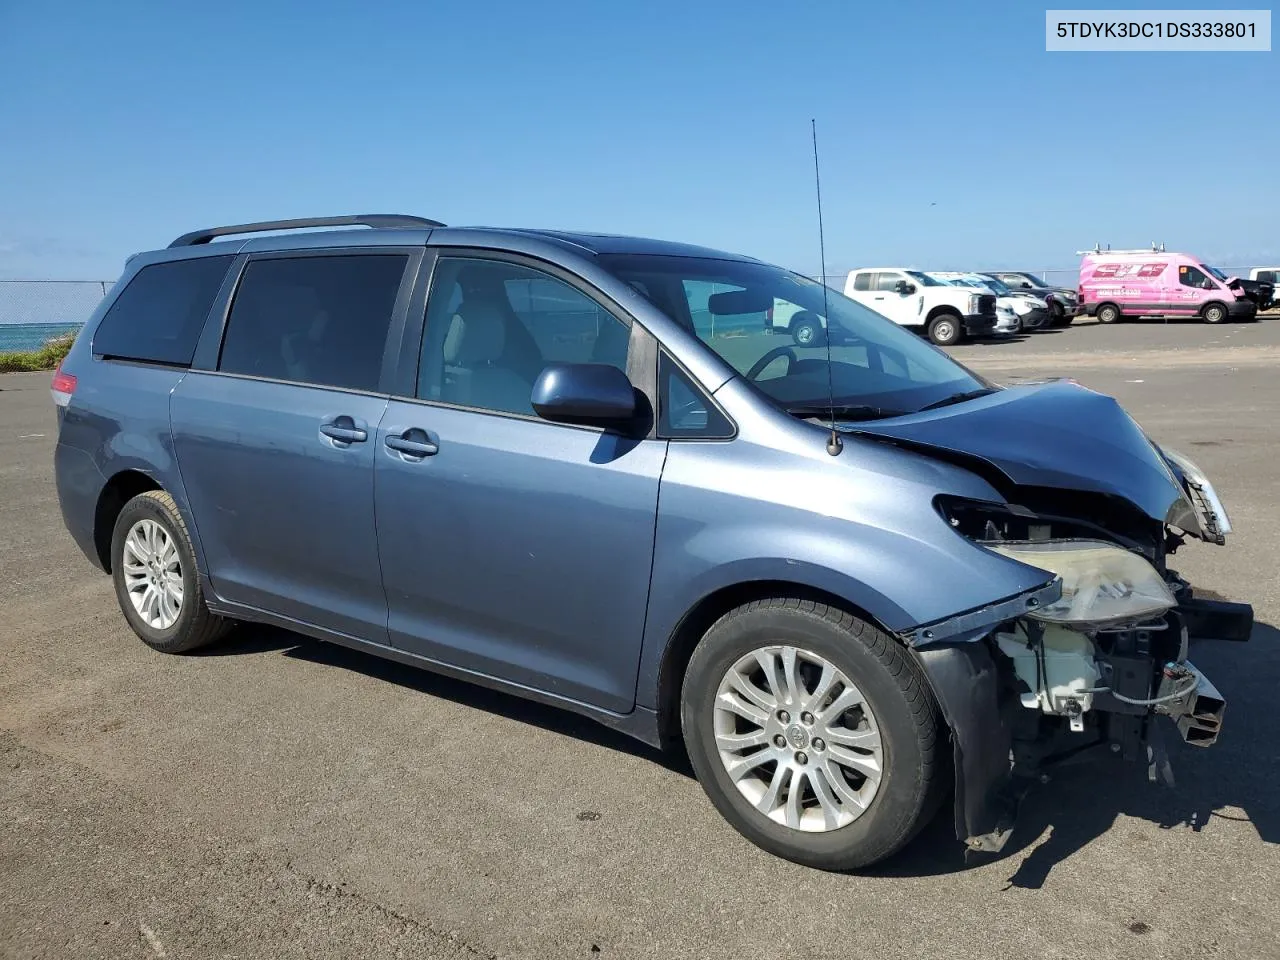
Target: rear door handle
(343, 429)
(413, 443)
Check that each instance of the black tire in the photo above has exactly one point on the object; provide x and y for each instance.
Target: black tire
(946, 329)
(1214, 312)
(195, 626)
(914, 754)
(1109, 313)
(806, 333)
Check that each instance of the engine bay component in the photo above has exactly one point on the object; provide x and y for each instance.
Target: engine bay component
(1058, 667)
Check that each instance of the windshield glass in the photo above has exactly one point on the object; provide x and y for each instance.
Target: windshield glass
(769, 324)
(1217, 273)
(999, 286)
(924, 279)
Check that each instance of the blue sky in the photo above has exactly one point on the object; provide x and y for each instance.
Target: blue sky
(949, 137)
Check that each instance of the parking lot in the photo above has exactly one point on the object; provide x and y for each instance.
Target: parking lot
(283, 798)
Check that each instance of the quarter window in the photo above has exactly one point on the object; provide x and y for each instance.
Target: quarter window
(159, 316)
(319, 320)
(493, 325)
(684, 410)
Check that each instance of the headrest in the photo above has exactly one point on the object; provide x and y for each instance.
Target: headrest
(476, 335)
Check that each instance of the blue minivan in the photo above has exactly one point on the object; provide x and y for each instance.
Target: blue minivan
(852, 577)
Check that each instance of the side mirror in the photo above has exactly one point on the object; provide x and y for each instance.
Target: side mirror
(590, 394)
(904, 288)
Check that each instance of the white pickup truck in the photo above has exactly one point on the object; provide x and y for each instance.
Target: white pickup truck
(944, 313)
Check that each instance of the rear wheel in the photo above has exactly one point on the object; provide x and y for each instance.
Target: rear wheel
(154, 570)
(1214, 313)
(1108, 313)
(945, 329)
(805, 332)
(813, 733)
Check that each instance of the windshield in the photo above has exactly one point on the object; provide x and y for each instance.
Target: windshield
(924, 279)
(999, 286)
(1217, 273)
(769, 323)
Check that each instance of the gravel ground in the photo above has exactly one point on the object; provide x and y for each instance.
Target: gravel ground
(284, 798)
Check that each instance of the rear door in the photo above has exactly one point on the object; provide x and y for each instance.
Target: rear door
(510, 546)
(276, 439)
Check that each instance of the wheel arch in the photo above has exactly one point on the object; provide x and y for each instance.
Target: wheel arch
(940, 310)
(699, 618)
(118, 490)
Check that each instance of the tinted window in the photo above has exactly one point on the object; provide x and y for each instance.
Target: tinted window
(684, 410)
(887, 281)
(862, 281)
(159, 316)
(1266, 276)
(492, 326)
(319, 320)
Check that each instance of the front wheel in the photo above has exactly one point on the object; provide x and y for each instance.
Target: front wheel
(1214, 313)
(813, 733)
(154, 570)
(945, 329)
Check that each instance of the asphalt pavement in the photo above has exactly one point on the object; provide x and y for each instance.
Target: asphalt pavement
(284, 798)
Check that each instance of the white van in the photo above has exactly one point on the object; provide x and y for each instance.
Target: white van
(944, 313)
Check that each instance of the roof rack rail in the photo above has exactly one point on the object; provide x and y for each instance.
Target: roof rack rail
(1097, 248)
(381, 221)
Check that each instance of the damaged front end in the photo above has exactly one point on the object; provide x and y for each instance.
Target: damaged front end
(1092, 663)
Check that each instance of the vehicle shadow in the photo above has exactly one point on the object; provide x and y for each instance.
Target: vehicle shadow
(552, 719)
(1081, 803)
(1078, 805)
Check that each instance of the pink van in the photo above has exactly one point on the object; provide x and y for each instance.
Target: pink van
(1115, 284)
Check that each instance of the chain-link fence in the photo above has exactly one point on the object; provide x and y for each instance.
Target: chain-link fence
(34, 311)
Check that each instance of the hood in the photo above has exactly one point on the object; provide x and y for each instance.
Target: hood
(1056, 434)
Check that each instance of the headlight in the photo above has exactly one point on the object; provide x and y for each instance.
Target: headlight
(973, 302)
(1101, 583)
(1208, 504)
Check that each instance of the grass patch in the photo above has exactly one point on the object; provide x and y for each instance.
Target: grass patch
(46, 358)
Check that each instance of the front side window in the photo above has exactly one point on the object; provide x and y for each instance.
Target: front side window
(492, 326)
(316, 320)
(878, 368)
(1192, 277)
(159, 316)
(888, 281)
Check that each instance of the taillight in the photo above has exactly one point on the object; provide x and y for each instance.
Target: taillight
(62, 387)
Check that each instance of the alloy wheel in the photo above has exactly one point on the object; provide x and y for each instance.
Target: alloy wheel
(798, 739)
(153, 574)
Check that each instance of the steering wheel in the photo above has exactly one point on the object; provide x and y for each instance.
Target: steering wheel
(758, 367)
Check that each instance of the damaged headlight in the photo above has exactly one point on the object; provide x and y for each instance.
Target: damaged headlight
(1101, 583)
(1213, 515)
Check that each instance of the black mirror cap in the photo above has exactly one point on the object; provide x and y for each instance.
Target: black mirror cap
(589, 394)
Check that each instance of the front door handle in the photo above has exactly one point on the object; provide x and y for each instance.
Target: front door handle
(343, 429)
(412, 443)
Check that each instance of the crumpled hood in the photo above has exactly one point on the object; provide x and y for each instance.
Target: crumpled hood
(1055, 434)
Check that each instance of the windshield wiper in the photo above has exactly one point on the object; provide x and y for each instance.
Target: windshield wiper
(841, 411)
(957, 398)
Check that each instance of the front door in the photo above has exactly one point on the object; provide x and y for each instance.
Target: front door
(510, 546)
(886, 298)
(276, 446)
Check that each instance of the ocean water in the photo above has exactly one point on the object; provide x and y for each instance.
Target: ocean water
(31, 336)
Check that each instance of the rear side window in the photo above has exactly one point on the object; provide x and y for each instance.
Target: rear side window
(318, 320)
(159, 316)
(862, 281)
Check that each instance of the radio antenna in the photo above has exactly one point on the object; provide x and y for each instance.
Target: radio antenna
(834, 443)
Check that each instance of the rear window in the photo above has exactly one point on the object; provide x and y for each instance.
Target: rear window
(319, 320)
(158, 317)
